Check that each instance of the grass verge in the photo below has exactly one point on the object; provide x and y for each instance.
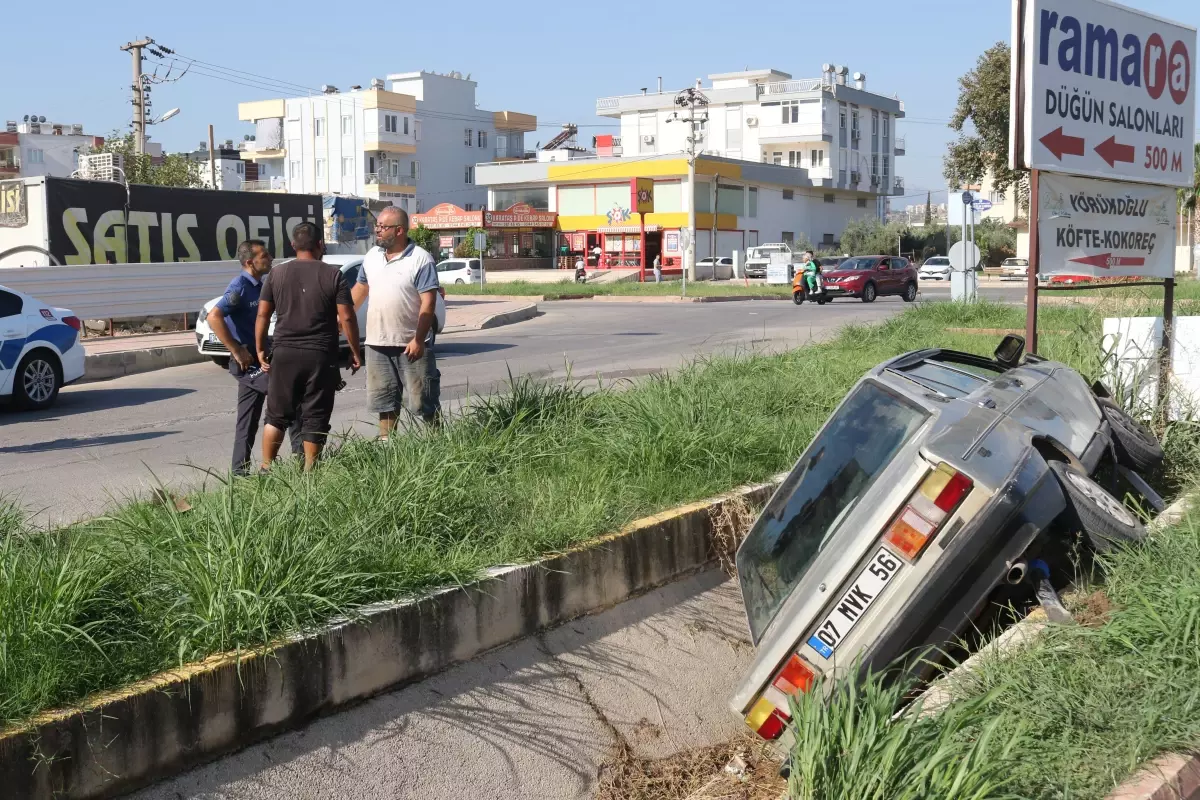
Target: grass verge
(623, 289)
(524, 474)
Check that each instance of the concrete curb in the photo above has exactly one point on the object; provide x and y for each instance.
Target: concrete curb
(509, 317)
(616, 298)
(120, 741)
(105, 366)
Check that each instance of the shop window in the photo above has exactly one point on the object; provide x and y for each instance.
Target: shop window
(572, 200)
(731, 200)
(538, 199)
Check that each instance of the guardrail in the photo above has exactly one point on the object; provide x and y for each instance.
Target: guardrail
(118, 291)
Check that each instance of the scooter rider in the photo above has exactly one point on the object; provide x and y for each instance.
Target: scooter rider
(812, 274)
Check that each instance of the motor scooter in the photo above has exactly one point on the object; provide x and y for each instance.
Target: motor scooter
(802, 292)
(581, 275)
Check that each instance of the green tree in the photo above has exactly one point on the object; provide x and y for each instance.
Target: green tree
(426, 238)
(466, 248)
(983, 101)
(173, 170)
(928, 209)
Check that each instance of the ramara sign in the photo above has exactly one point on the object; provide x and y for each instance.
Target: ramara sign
(1109, 92)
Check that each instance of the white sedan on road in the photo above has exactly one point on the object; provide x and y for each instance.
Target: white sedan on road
(208, 343)
(40, 351)
(935, 268)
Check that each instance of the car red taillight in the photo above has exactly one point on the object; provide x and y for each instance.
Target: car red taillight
(73, 322)
(938, 496)
(769, 714)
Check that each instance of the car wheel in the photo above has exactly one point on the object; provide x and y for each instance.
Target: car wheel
(38, 379)
(910, 292)
(1106, 522)
(221, 361)
(798, 298)
(868, 293)
(460, 282)
(1137, 448)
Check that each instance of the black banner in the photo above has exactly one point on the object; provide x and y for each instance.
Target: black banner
(95, 222)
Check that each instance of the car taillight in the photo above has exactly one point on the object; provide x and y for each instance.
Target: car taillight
(73, 322)
(939, 494)
(769, 715)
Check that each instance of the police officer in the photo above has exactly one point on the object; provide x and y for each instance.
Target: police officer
(232, 320)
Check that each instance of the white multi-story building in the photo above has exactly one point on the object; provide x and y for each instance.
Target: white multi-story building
(231, 170)
(843, 136)
(33, 148)
(780, 160)
(413, 140)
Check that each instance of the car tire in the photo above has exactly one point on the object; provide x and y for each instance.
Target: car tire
(221, 361)
(460, 282)
(1095, 512)
(868, 293)
(37, 381)
(910, 292)
(798, 298)
(1137, 448)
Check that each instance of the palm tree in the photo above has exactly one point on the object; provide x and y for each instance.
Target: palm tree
(1189, 201)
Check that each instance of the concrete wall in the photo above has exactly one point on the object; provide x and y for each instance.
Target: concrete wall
(176, 720)
(59, 154)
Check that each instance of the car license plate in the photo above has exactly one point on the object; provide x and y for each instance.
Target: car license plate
(855, 602)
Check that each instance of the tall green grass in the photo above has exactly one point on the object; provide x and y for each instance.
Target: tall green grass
(526, 473)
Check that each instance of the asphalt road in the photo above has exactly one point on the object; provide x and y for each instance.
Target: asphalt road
(104, 442)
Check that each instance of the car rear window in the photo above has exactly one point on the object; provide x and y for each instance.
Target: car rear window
(834, 474)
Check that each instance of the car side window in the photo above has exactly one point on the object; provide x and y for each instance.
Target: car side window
(899, 263)
(883, 264)
(10, 304)
(447, 266)
(474, 263)
(942, 379)
(351, 275)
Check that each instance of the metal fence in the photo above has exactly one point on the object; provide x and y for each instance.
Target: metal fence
(119, 291)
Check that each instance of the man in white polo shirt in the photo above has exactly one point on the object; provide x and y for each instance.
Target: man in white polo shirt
(401, 280)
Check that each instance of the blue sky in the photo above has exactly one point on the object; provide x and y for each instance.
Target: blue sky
(549, 60)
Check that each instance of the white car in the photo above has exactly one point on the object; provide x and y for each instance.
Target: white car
(208, 343)
(1014, 268)
(459, 271)
(935, 268)
(40, 351)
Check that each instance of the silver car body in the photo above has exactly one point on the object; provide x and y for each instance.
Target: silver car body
(994, 426)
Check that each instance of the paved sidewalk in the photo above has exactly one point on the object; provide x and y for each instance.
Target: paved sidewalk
(114, 356)
(534, 720)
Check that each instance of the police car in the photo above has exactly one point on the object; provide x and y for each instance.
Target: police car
(208, 343)
(40, 351)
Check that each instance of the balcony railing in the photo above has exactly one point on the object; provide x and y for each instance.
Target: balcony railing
(276, 184)
(898, 185)
(511, 152)
(376, 178)
(793, 87)
(899, 144)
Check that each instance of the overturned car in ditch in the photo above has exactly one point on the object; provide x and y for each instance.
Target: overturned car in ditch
(940, 480)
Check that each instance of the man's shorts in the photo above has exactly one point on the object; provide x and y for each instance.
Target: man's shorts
(302, 383)
(394, 382)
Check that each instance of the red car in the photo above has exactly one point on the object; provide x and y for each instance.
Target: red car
(869, 277)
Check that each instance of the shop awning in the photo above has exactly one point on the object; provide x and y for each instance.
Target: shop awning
(627, 229)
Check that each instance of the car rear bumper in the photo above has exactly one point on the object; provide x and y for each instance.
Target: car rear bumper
(974, 562)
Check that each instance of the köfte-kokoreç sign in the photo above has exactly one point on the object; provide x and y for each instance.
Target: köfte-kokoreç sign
(1103, 229)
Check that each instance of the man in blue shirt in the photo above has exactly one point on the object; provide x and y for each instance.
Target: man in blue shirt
(232, 320)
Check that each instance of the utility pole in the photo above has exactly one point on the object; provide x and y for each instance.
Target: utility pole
(212, 159)
(692, 99)
(139, 101)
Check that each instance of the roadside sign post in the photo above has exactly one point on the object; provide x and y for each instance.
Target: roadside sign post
(1102, 114)
(480, 247)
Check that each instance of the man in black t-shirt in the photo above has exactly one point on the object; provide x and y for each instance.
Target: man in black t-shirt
(312, 300)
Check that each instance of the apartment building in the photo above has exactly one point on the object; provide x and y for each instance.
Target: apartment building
(780, 160)
(33, 148)
(231, 170)
(413, 140)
